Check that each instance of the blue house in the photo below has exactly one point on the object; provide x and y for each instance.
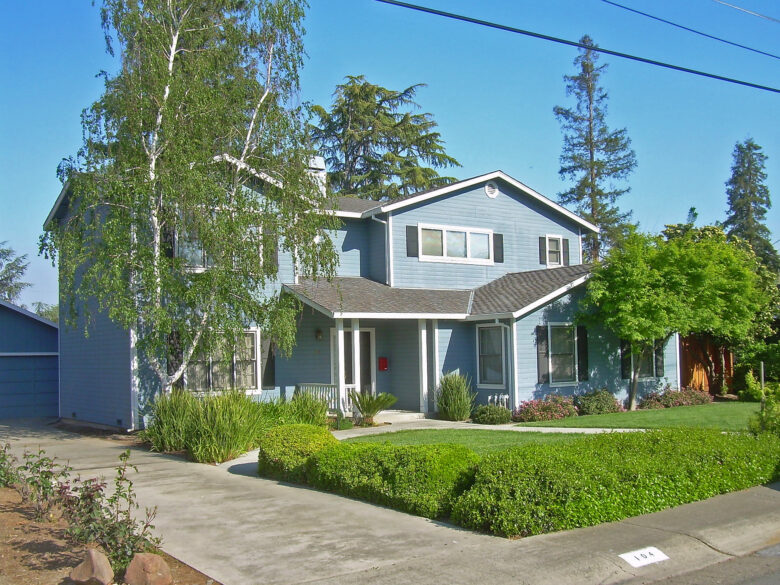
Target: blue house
(28, 364)
(481, 277)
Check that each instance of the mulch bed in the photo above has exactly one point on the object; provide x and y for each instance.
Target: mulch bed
(39, 553)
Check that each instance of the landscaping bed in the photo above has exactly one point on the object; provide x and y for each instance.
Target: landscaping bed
(38, 553)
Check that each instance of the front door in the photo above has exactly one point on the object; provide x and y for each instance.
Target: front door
(367, 360)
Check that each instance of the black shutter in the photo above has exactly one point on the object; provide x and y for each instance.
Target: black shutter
(498, 248)
(411, 241)
(542, 354)
(267, 363)
(659, 359)
(566, 252)
(625, 359)
(542, 250)
(582, 353)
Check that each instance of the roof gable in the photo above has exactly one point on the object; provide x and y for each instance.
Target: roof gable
(28, 314)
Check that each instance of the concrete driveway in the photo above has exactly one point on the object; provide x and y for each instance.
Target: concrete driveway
(240, 529)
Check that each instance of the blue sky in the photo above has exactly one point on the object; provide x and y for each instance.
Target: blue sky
(491, 92)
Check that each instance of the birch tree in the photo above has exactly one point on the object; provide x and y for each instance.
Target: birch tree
(192, 172)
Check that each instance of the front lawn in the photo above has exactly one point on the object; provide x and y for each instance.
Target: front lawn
(725, 416)
(481, 441)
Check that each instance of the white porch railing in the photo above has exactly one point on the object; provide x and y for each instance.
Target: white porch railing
(330, 394)
(499, 400)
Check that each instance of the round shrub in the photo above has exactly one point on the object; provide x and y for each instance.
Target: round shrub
(752, 391)
(597, 402)
(419, 479)
(670, 398)
(454, 397)
(285, 449)
(491, 414)
(553, 407)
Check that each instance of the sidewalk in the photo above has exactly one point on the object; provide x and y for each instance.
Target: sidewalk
(240, 529)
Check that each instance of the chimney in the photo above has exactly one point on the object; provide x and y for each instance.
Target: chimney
(318, 172)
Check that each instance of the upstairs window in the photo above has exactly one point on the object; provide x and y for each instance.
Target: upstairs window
(553, 251)
(455, 244)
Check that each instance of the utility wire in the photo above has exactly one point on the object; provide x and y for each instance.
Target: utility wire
(735, 7)
(690, 29)
(575, 44)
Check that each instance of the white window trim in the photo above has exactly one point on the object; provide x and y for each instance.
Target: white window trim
(576, 381)
(454, 260)
(547, 239)
(258, 369)
(480, 384)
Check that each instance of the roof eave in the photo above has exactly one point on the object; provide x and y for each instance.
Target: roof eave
(57, 204)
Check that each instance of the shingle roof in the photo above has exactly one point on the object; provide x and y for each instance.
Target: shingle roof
(355, 205)
(518, 290)
(361, 295)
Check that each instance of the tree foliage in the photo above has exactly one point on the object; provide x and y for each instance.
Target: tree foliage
(12, 269)
(649, 288)
(375, 145)
(593, 156)
(748, 201)
(193, 170)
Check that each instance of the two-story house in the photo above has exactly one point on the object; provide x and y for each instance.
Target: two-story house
(480, 277)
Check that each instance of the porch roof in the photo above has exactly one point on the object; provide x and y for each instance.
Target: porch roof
(353, 297)
(519, 293)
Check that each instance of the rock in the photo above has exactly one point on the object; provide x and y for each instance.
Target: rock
(148, 569)
(95, 570)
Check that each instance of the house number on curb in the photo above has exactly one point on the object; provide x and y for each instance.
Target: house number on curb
(644, 556)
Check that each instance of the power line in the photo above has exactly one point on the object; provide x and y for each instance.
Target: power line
(690, 29)
(575, 44)
(735, 7)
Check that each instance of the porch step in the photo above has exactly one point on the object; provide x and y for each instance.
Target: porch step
(396, 416)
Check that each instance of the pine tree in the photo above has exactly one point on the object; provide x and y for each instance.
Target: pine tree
(593, 156)
(748, 200)
(375, 146)
(12, 269)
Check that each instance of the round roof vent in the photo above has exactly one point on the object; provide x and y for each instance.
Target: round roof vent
(491, 189)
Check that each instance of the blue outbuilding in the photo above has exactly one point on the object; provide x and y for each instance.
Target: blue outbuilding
(29, 364)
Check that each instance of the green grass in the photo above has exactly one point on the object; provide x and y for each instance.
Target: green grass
(726, 416)
(481, 441)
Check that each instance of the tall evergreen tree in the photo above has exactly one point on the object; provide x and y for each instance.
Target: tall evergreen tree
(12, 269)
(375, 145)
(593, 156)
(748, 200)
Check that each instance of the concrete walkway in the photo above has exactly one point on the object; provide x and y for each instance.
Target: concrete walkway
(432, 423)
(240, 529)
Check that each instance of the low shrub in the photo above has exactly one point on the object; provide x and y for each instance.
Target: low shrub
(670, 398)
(767, 420)
(38, 482)
(454, 397)
(307, 409)
(419, 479)
(8, 471)
(370, 405)
(602, 478)
(285, 449)
(597, 402)
(491, 414)
(552, 407)
(752, 391)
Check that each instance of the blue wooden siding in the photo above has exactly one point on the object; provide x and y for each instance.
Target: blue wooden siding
(95, 372)
(20, 333)
(603, 356)
(351, 241)
(512, 213)
(377, 243)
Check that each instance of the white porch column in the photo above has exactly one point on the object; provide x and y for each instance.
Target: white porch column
(356, 354)
(340, 361)
(436, 365)
(515, 392)
(423, 338)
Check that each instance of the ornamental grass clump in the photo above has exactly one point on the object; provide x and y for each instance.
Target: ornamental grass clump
(172, 421)
(454, 397)
(307, 409)
(553, 407)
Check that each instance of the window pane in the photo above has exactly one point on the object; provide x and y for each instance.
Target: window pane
(221, 375)
(190, 251)
(561, 339)
(554, 251)
(562, 354)
(246, 348)
(198, 376)
(480, 246)
(562, 368)
(645, 363)
(456, 244)
(491, 361)
(432, 243)
(246, 374)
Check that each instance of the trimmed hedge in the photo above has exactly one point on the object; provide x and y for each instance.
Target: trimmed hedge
(597, 402)
(285, 450)
(603, 478)
(419, 479)
(491, 414)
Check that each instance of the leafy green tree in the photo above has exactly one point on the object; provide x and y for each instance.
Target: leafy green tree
(375, 145)
(593, 156)
(47, 311)
(648, 288)
(12, 269)
(748, 200)
(194, 169)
